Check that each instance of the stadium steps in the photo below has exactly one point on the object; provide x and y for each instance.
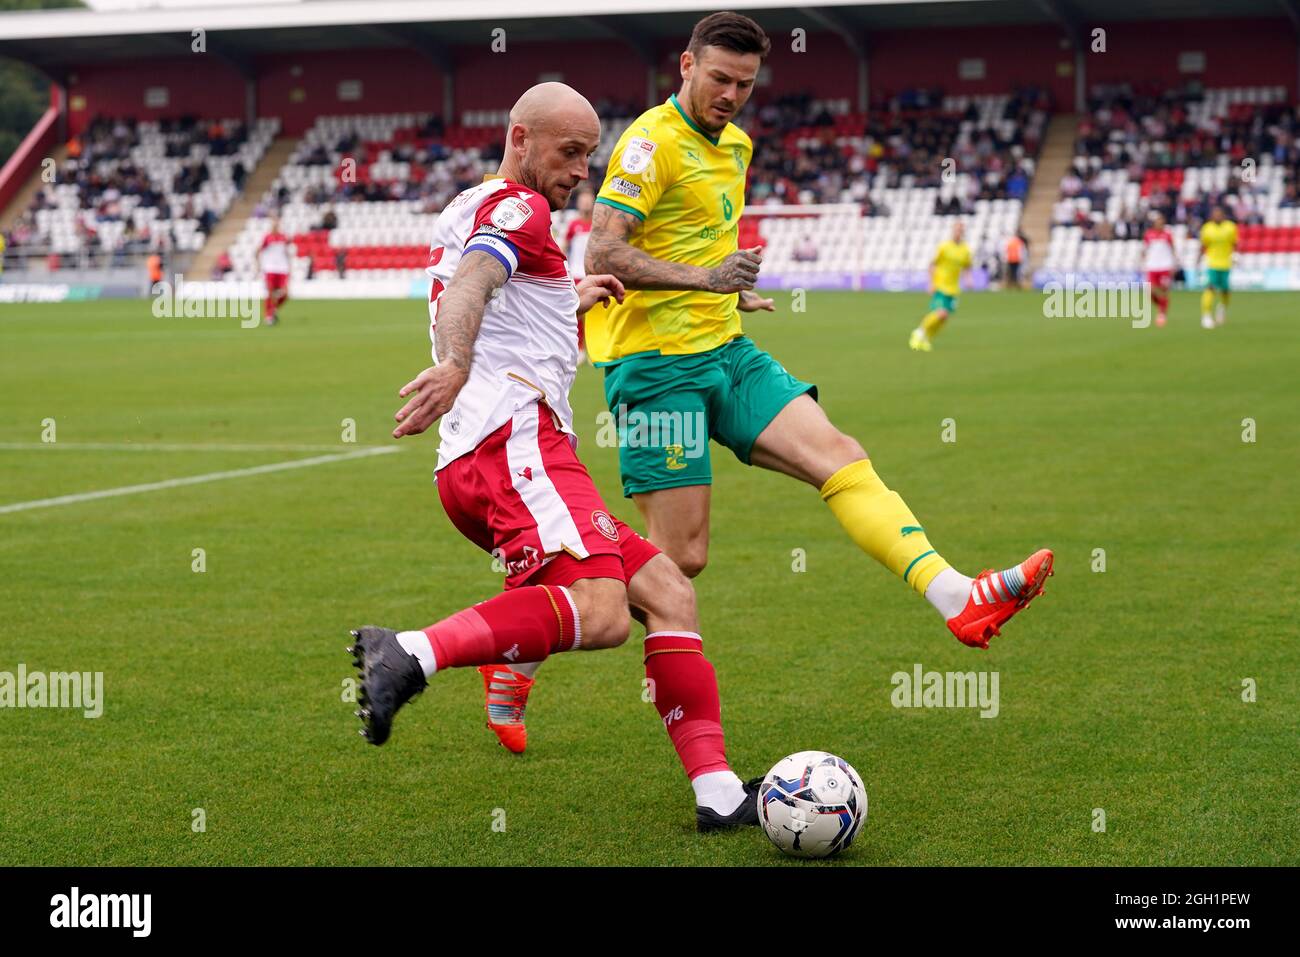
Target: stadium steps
(1054, 160)
(22, 200)
(255, 187)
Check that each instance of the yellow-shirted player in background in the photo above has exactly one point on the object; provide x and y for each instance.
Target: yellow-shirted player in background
(950, 261)
(1218, 241)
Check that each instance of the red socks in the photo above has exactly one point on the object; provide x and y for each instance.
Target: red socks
(686, 696)
(524, 624)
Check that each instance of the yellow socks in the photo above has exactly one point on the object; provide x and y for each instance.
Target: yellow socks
(1207, 302)
(882, 524)
(932, 323)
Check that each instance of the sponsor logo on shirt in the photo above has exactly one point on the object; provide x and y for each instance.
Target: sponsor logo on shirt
(511, 213)
(637, 154)
(619, 185)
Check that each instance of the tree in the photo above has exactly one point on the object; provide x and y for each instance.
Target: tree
(24, 92)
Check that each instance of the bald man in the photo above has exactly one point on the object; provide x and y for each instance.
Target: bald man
(511, 482)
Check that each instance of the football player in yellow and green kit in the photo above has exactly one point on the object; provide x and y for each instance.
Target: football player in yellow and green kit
(1218, 240)
(674, 350)
(950, 261)
(679, 369)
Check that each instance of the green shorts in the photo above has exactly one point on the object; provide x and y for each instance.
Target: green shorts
(1217, 279)
(666, 408)
(941, 300)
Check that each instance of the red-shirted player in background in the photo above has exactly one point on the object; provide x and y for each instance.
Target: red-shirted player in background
(1158, 262)
(575, 249)
(274, 260)
(575, 237)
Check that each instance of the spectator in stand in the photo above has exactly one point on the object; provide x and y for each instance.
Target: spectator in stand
(806, 250)
(222, 266)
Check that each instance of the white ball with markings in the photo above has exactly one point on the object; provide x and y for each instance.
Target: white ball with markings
(812, 804)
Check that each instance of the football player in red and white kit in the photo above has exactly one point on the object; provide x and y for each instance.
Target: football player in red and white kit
(504, 323)
(273, 257)
(1158, 262)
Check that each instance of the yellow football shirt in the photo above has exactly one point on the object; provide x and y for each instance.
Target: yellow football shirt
(949, 263)
(688, 188)
(1219, 240)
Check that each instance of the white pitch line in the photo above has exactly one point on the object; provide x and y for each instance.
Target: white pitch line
(172, 447)
(196, 479)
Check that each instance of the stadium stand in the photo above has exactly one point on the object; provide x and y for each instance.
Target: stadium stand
(129, 188)
(361, 193)
(1180, 153)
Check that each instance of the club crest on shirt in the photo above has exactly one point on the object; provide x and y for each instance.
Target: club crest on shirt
(602, 523)
(511, 213)
(637, 154)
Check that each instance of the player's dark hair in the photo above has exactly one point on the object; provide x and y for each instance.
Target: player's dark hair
(730, 31)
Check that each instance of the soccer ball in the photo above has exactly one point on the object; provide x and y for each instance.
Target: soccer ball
(812, 804)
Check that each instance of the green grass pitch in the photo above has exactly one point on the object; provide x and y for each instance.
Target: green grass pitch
(1120, 690)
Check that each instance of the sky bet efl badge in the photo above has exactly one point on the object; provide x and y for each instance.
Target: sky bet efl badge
(511, 213)
(637, 154)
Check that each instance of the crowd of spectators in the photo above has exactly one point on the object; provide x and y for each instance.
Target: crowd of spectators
(1136, 133)
(111, 180)
(805, 154)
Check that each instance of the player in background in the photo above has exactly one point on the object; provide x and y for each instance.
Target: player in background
(675, 346)
(510, 479)
(575, 248)
(1218, 241)
(575, 235)
(950, 260)
(1158, 263)
(273, 258)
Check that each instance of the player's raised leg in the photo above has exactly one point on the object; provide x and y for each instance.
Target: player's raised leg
(524, 624)
(684, 687)
(802, 442)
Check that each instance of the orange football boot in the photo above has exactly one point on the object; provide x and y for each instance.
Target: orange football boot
(996, 596)
(507, 697)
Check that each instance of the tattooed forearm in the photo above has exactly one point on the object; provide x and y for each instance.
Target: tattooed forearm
(608, 251)
(461, 306)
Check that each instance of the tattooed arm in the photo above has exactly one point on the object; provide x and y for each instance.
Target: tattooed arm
(609, 251)
(460, 313)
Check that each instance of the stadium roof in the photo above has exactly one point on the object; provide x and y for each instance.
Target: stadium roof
(59, 40)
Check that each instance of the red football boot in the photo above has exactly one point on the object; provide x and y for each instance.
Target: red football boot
(507, 697)
(996, 596)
